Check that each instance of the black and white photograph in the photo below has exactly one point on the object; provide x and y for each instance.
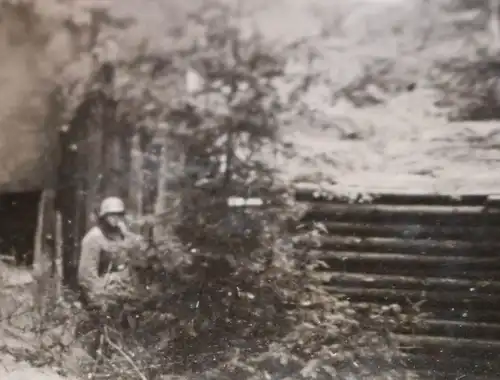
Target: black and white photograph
(249, 190)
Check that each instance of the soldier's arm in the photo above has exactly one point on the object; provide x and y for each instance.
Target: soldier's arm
(88, 271)
(131, 239)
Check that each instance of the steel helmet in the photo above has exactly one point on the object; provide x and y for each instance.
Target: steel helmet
(111, 205)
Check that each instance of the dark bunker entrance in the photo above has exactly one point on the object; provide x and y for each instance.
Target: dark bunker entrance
(18, 221)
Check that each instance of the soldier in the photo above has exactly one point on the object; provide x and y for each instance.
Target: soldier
(104, 259)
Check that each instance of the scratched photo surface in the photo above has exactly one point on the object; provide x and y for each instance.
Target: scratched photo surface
(230, 190)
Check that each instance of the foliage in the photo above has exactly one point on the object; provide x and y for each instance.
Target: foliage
(467, 80)
(448, 46)
(207, 300)
(225, 292)
(470, 87)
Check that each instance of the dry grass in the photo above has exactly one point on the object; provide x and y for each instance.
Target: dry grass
(36, 329)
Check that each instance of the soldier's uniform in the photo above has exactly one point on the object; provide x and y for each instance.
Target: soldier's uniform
(104, 260)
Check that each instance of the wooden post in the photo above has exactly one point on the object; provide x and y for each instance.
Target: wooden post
(136, 178)
(160, 206)
(70, 185)
(45, 233)
(168, 178)
(58, 252)
(115, 145)
(94, 173)
(46, 283)
(125, 142)
(40, 262)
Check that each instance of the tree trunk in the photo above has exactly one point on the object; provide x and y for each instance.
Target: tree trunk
(58, 252)
(72, 186)
(46, 292)
(135, 200)
(40, 261)
(95, 170)
(160, 206)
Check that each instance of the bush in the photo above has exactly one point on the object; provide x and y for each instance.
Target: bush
(255, 314)
(469, 86)
(225, 293)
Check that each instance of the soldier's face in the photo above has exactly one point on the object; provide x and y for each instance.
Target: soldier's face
(114, 219)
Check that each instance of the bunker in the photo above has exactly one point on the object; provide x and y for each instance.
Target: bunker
(33, 46)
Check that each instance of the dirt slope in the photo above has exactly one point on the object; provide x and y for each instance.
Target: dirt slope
(400, 145)
(18, 323)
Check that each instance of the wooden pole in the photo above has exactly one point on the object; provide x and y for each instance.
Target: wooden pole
(58, 254)
(39, 260)
(136, 178)
(94, 174)
(160, 206)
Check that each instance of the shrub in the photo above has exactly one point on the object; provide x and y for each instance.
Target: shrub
(469, 86)
(223, 292)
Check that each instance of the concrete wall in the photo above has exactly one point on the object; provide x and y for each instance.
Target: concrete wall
(31, 54)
